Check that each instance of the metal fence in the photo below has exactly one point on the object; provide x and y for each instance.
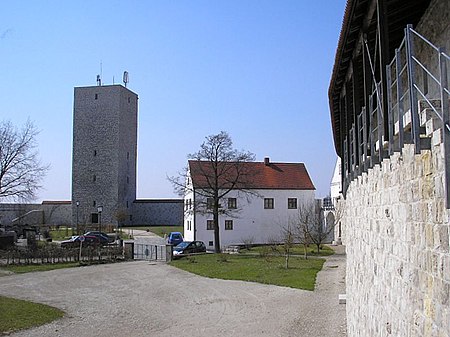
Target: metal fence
(415, 85)
(152, 252)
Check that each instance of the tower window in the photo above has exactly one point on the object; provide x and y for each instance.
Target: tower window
(94, 178)
(94, 203)
(95, 153)
(96, 96)
(129, 99)
(128, 155)
(127, 203)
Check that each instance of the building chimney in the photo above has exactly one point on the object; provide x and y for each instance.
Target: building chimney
(266, 161)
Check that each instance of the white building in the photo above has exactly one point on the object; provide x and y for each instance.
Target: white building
(277, 192)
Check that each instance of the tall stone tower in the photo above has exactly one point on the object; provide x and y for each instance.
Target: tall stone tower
(104, 155)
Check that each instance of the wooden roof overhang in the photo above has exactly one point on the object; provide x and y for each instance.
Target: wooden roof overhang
(362, 20)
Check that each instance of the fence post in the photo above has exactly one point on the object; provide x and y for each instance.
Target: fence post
(412, 92)
(398, 69)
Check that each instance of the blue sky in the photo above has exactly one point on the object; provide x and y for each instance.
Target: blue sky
(259, 70)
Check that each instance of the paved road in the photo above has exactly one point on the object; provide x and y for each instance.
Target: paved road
(147, 299)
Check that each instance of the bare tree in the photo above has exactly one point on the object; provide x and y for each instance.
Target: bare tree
(20, 168)
(311, 226)
(288, 239)
(216, 170)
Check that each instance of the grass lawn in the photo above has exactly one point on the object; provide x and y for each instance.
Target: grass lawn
(270, 270)
(297, 250)
(20, 269)
(63, 233)
(19, 314)
(159, 230)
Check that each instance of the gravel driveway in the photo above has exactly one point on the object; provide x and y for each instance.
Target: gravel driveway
(148, 299)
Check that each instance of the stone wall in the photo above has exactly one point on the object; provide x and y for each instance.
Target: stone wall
(48, 213)
(398, 274)
(158, 212)
(397, 232)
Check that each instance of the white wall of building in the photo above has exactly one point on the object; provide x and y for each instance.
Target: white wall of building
(251, 221)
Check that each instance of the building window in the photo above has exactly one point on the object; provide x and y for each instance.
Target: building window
(96, 96)
(94, 203)
(292, 203)
(209, 203)
(94, 178)
(186, 205)
(210, 243)
(127, 203)
(131, 217)
(229, 225)
(190, 203)
(209, 225)
(128, 155)
(94, 217)
(232, 203)
(268, 203)
(95, 153)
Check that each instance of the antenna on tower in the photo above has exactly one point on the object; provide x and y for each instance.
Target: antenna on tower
(125, 78)
(99, 77)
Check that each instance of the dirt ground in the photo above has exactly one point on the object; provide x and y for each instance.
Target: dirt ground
(153, 299)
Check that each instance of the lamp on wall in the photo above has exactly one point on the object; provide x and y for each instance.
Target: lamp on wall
(78, 230)
(100, 210)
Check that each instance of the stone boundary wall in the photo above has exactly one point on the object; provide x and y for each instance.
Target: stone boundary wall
(54, 213)
(397, 237)
(158, 212)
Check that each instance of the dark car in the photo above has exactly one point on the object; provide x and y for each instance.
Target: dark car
(175, 238)
(189, 247)
(75, 241)
(103, 237)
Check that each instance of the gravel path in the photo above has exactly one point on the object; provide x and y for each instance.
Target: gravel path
(148, 299)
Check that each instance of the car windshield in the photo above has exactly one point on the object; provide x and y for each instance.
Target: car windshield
(176, 236)
(181, 246)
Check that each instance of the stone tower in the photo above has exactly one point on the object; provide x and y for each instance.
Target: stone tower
(104, 155)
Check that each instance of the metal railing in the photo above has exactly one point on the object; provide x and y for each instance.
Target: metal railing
(414, 83)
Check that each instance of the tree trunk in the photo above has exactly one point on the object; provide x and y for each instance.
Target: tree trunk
(318, 249)
(305, 247)
(216, 226)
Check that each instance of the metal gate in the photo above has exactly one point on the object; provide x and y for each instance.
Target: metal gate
(153, 252)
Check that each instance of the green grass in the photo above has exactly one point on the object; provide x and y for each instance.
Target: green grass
(301, 273)
(61, 234)
(296, 250)
(19, 314)
(159, 230)
(20, 269)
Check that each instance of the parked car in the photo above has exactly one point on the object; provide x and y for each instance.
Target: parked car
(174, 238)
(103, 237)
(189, 247)
(89, 240)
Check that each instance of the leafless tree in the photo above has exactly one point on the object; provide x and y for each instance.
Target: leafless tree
(288, 239)
(20, 168)
(311, 226)
(218, 169)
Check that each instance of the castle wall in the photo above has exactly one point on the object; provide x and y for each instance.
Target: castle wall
(397, 232)
(48, 213)
(158, 212)
(398, 261)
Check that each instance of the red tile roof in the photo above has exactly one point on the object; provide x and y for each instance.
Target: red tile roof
(284, 176)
